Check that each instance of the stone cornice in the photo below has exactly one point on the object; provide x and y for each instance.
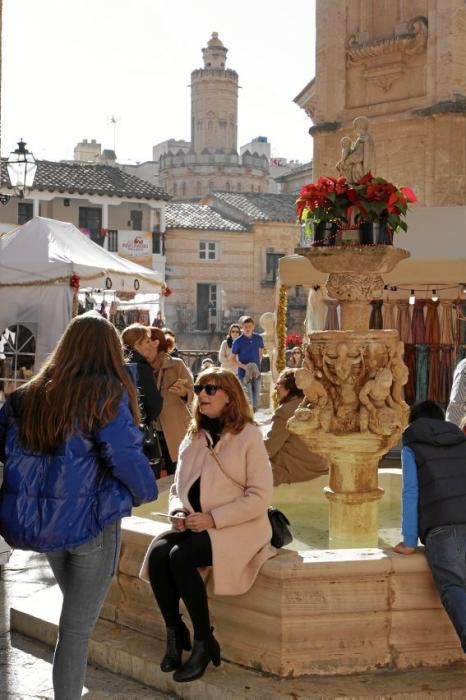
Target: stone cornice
(458, 106)
(412, 42)
(325, 126)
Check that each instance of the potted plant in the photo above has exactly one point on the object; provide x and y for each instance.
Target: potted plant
(379, 207)
(322, 208)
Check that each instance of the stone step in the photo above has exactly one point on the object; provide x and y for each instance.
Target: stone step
(137, 656)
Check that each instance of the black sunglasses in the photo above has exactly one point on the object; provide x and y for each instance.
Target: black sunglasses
(210, 389)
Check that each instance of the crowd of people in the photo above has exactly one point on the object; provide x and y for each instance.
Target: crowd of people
(87, 437)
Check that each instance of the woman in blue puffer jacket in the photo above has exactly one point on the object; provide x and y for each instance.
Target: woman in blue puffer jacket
(73, 467)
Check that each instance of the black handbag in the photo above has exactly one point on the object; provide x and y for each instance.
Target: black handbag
(152, 448)
(281, 533)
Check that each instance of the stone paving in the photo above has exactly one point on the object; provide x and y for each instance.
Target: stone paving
(26, 665)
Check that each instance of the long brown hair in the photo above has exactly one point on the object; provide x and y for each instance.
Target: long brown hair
(236, 413)
(79, 387)
(134, 333)
(157, 334)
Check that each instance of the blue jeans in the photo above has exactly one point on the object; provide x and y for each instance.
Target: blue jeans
(446, 553)
(253, 392)
(84, 575)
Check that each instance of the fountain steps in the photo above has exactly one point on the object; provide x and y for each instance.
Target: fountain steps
(133, 654)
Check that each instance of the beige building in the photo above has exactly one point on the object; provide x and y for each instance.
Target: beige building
(123, 213)
(222, 261)
(402, 64)
(210, 160)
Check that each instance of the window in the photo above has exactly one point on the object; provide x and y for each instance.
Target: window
(24, 212)
(136, 219)
(113, 241)
(175, 189)
(19, 348)
(158, 242)
(183, 189)
(208, 250)
(90, 222)
(271, 266)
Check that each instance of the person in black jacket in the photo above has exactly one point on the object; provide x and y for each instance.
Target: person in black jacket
(137, 339)
(434, 504)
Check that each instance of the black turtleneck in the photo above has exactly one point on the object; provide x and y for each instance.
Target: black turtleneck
(214, 427)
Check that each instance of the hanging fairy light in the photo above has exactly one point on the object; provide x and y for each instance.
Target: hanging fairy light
(434, 295)
(412, 298)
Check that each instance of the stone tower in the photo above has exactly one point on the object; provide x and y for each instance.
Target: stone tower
(402, 64)
(211, 160)
(214, 102)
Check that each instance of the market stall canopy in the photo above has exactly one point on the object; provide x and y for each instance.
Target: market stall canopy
(46, 252)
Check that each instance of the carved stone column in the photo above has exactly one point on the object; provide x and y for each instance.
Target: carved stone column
(352, 380)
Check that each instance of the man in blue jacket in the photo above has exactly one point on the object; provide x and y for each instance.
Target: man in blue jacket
(247, 350)
(434, 504)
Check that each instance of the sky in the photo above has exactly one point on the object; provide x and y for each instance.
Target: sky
(69, 66)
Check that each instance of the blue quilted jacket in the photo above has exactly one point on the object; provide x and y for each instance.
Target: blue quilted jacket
(56, 502)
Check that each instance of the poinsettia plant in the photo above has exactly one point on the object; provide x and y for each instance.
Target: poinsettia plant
(325, 200)
(293, 339)
(370, 199)
(374, 198)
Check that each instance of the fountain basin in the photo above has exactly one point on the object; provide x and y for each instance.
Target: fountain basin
(376, 259)
(311, 611)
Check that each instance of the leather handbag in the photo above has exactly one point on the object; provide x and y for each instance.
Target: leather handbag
(152, 448)
(281, 533)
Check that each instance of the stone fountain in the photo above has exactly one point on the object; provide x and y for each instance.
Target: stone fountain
(353, 381)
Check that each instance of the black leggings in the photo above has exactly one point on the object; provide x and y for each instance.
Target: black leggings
(173, 574)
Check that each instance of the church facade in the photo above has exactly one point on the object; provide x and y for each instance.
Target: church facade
(401, 64)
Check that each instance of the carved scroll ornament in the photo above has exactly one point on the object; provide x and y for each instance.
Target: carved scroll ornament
(412, 42)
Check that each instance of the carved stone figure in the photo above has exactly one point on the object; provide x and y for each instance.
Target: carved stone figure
(359, 159)
(399, 371)
(344, 372)
(343, 166)
(379, 413)
(316, 406)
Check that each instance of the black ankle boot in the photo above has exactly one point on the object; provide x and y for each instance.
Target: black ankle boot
(177, 639)
(204, 651)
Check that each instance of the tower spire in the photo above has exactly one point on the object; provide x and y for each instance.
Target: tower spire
(215, 53)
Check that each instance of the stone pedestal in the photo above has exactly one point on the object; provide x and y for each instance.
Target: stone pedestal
(353, 379)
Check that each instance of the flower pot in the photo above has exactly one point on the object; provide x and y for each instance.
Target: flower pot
(325, 233)
(376, 233)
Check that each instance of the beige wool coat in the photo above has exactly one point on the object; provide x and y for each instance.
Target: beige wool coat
(241, 537)
(175, 416)
(291, 460)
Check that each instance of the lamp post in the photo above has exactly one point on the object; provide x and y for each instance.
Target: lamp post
(21, 166)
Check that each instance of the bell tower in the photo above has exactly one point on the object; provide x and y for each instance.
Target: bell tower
(401, 64)
(214, 102)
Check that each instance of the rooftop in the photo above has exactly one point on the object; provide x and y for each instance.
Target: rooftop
(198, 216)
(89, 179)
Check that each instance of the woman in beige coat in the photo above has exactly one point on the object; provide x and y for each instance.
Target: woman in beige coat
(175, 383)
(290, 458)
(218, 503)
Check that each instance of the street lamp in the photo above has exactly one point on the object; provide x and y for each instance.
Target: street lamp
(21, 166)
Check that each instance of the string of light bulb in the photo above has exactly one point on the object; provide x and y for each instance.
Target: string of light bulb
(425, 289)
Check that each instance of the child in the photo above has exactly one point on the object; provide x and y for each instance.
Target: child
(434, 503)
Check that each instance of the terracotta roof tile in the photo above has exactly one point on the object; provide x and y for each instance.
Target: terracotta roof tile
(198, 216)
(90, 178)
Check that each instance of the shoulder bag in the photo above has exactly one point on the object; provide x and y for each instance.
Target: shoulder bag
(281, 533)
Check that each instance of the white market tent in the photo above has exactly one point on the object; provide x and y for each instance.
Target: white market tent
(37, 261)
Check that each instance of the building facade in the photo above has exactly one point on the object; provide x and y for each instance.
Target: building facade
(402, 64)
(222, 261)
